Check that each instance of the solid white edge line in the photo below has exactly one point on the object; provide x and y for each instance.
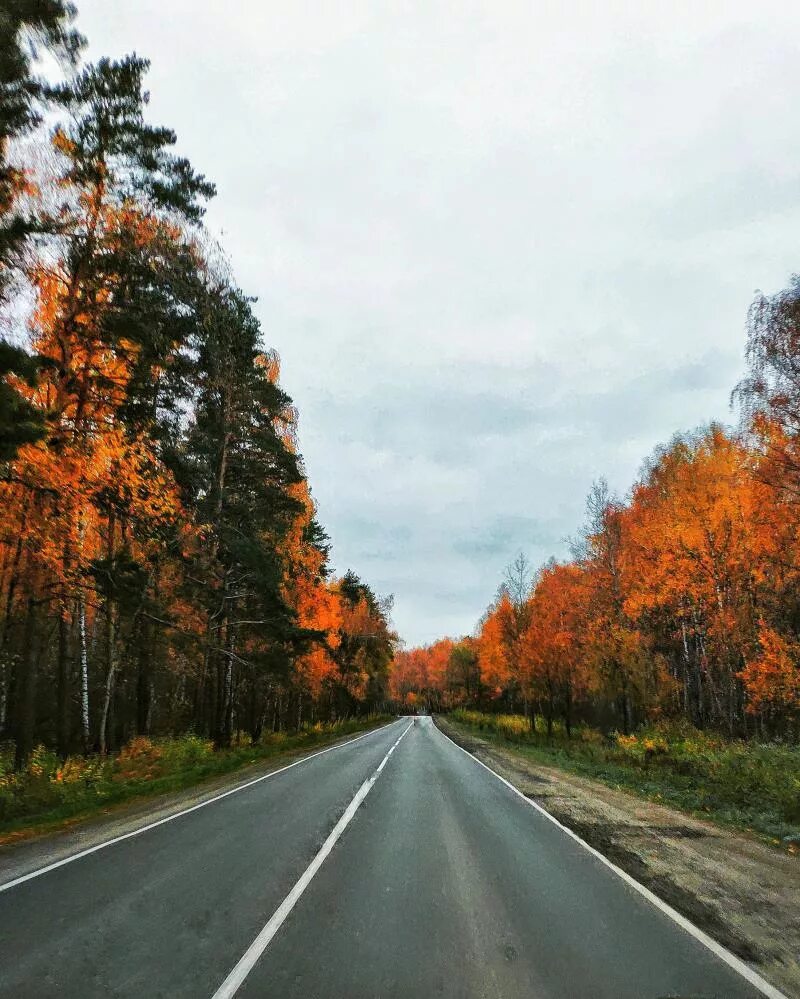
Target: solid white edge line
(717, 949)
(247, 962)
(186, 811)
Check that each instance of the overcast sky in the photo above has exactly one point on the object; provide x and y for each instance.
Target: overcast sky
(502, 248)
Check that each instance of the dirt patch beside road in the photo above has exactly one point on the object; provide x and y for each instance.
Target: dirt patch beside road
(735, 888)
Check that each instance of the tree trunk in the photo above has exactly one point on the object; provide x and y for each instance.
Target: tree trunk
(568, 710)
(4, 677)
(227, 684)
(256, 713)
(687, 707)
(626, 713)
(217, 697)
(698, 672)
(63, 685)
(26, 692)
(84, 672)
(111, 654)
(111, 669)
(5, 662)
(144, 686)
(206, 704)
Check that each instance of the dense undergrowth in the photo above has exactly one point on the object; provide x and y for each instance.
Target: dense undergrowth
(743, 784)
(50, 790)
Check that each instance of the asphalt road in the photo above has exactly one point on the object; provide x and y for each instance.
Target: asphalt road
(443, 882)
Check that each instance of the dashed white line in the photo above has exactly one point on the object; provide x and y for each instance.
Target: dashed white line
(248, 960)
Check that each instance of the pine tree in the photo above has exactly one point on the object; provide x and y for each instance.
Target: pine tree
(25, 25)
(238, 470)
(20, 422)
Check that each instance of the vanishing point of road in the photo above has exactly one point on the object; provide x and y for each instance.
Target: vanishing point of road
(391, 865)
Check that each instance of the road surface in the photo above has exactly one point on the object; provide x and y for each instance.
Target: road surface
(437, 880)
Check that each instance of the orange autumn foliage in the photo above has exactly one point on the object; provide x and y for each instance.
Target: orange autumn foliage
(315, 602)
(494, 657)
(420, 676)
(554, 658)
(680, 601)
(772, 675)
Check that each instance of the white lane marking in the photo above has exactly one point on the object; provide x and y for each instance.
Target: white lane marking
(186, 811)
(248, 960)
(725, 955)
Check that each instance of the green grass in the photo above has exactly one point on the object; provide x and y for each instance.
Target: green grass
(49, 793)
(746, 785)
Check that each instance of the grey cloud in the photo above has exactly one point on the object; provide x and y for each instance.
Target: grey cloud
(504, 536)
(502, 250)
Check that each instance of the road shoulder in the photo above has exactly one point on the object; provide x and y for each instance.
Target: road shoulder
(741, 892)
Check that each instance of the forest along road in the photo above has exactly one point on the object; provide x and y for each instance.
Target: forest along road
(392, 865)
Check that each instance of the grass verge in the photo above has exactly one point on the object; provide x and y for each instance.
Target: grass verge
(749, 786)
(50, 793)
